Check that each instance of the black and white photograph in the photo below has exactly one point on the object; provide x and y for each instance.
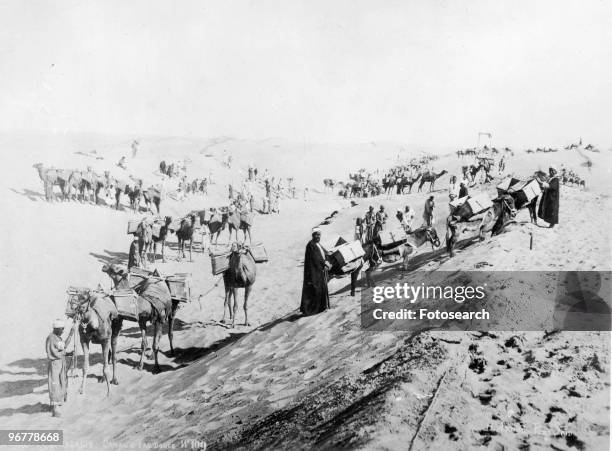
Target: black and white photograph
(305, 225)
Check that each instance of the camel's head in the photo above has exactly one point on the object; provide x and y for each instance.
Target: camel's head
(167, 220)
(37, 165)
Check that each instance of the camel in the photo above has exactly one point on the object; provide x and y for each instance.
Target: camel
(329, 184)
(152, 195)
(161, 238)
(185, 233)
(144, 232)
(155, 306)
(241, 273)
(80, 181)
(494, 220)
(51, 177)
(100, 323)
(430, 177)
(216, 224)
(408, 182)
(239, 221)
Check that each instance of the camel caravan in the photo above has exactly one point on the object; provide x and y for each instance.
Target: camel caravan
(87, 186)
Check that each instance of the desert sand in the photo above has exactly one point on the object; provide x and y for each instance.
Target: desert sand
(287, 381)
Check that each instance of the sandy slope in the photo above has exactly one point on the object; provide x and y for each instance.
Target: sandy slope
(289, 380)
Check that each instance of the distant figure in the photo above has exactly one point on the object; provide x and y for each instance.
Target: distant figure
(463, 190)
(134, 148)
(453, 188)
(549, 205)
(407, 219)
(370, 221)
(56, 366)
(315, 297)
(381, 220)
(134, 253)
(428, 211)
(121, 163)
(231, 192)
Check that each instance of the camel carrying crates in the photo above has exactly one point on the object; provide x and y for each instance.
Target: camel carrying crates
(505, 185)
(138, 275)
(473, 205)
(126, 302)
(392, 238)
(219, 260)
(133, 226)
(259, 254)
(525, 192)
(180, 286)
(156, 229)
(347, 253)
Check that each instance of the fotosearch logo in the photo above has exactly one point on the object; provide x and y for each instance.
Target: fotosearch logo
(414, 293)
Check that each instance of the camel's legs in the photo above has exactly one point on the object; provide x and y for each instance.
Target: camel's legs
(105, 352)
(116, 328)
(157, 331)
(85, 346)
(143, 344)
(190, 245)
(235, 308)
(175, 305)
(247, 292)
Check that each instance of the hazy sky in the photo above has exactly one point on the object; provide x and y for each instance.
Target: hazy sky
(422, 72)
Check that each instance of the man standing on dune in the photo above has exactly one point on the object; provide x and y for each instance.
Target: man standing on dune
(315, 297)
(549, 205)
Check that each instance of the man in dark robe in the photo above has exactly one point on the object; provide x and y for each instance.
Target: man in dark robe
(315, 297)
(549, 205)
(134, 254)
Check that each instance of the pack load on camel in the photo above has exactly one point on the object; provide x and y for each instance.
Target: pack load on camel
(522, 191)
(239, 270)
(220, 256)
(478, 213)
(345, 257)
(390, 239)
(469, 206)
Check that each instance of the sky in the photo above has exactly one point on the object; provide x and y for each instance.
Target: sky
(422, 72)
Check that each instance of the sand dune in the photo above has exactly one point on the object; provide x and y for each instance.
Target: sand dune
(290, 381)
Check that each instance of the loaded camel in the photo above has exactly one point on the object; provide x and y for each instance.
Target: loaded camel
(494, 220)
(184, 234)
(144, 232)
(99, 322)
(240, 221)
(155, 306)
(430, 177)
(241, 273)
(161, 238)
(51, 177)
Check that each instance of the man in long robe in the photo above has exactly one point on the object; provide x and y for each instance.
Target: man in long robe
(428, 211)
(549, 205)
(56, 367)
(315, 297)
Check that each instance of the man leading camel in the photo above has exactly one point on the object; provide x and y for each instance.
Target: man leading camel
(56, 366)
(315, 297)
